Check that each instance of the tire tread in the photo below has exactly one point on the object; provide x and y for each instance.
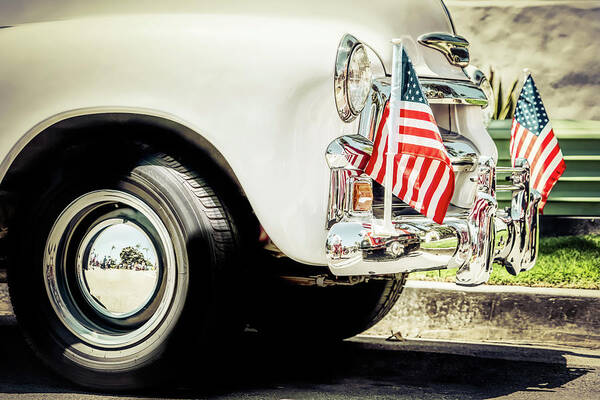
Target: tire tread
(223, 233)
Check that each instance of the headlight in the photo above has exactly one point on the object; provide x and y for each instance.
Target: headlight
(352, 79)
(359, 79)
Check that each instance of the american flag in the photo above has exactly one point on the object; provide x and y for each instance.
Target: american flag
(532, 138)
(422, 171)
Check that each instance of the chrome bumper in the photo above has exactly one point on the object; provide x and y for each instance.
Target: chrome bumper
(470, 240)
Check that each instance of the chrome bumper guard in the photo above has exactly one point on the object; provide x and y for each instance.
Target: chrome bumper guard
(470, 240)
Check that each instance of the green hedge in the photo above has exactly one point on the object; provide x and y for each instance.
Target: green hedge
(577, 192)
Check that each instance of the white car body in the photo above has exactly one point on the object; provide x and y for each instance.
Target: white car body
(252, 78)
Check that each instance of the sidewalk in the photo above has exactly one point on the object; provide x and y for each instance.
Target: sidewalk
(507, 314)
(445, 311)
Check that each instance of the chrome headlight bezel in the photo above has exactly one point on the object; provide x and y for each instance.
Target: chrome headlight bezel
(349, 46)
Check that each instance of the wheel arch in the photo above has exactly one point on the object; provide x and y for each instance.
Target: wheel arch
(36, 151)
(53, 130)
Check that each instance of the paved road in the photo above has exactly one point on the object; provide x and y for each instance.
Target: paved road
(376, 370)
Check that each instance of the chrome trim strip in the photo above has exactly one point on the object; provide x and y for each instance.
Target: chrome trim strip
(438, 91)
(462, 154)
(454, 47)
(443, 91)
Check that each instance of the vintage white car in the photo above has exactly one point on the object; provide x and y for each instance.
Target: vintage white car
(171, 172)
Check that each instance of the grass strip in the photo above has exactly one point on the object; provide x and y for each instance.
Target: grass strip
(567, 261)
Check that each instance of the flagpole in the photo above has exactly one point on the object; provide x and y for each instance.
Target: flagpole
(395, 98)
(525, 72)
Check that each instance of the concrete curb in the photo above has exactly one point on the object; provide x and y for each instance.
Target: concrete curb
(509, 314)
(559, 292)
(445, 311)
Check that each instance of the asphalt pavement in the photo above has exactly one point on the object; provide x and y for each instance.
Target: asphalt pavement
(364, 368)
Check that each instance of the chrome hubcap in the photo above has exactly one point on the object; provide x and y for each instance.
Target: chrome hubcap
(117, 268)
(109, 268)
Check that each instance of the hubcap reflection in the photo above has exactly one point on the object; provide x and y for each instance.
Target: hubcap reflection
(117, 268)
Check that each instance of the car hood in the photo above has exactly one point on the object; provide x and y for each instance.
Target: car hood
(375, 22)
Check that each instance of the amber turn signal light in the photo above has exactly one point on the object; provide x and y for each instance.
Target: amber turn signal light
(363, 196)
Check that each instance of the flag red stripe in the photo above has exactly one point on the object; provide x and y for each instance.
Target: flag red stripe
(539, 165)
(551, 182)
(404, 177)
(416, 150)
(546, 164)
(536, 157)
(521, 140)
(422, 175)
(515, 136)
(419, 132)
(377, 149)
(513, 129)
(418, 175)
(431, 189)
(414, 114)
(381, 172)
(530, 146)
(444, 201)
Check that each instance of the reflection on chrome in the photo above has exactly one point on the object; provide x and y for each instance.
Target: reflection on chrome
(454, 47)
(117, 268)
(356, 248)
(517, 228)
(470, 240)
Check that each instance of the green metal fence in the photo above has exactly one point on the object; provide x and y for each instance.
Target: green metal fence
(577, 192)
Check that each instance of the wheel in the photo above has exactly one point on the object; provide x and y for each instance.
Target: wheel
(331, 313)
(115, 274)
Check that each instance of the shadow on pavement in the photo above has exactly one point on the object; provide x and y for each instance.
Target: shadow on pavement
(262, 370)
